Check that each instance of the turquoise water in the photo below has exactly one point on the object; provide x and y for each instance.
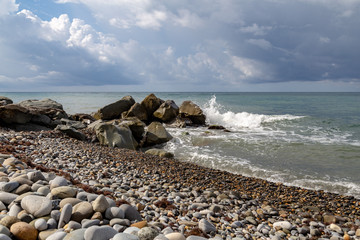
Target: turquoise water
(310, 140)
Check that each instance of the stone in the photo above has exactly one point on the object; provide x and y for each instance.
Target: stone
(24, 231)
(8, 186)
(160, 153)
(175, 236)
(73, 225)
(167, 111)
(35, 176)
(206, 226)
(99, 233)
(40, 224)
(125, 236)
(114, 110)
(59, 235)
(81, 211)
(136, 126)
(132, 230)
(64, 192)
(22, 189)
(100, 204)
(44, 190)
(192, 111)
(114, 212)
(38, 206)
(72, 123)
(138, 111)
(4, 230)
(115, 136)
(5, 100)
(150, 104)
(8, 221)
(283, 225)
(2, 206)
(14, 210)
(140, 224)
(72, 201)
(71, 132)
(4, 237)
(335, 228)
(130, 212)
(77, 234)
(7, 198)
(45, 103)
(65, 215)
(16, 114)
(357, 233)
(119, 221)
(199, 238)
(147, 233)
(328, 219)
(88, 223)
(156, 134)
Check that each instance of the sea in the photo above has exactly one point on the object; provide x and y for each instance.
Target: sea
(310, 140)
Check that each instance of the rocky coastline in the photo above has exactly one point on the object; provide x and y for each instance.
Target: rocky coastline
(69, 184)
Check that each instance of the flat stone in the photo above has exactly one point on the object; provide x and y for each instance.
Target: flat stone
(43, 235)
(81, 211)
(65, 215)
(335, 228)
(147, 233)
(75, 235)
(123, 222)
(89, 223)
(175, 236)
(57, 236)
(36, 205)
(72, 201)
(7, 198)
(140, 224)
(58, 182)
(130, 212)
(8, 186)
(22, 189)
(114, 212)
(8, 221)
(24, 231)
(132, 230)
(197, 238)
(206, 226)
(283, 224)
(64, 192)
(99, 233)
(125, 236)
(100, 204)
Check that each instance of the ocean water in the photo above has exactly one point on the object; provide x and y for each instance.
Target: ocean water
(311, 140)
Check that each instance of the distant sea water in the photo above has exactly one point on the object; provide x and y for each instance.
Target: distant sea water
(311, 140)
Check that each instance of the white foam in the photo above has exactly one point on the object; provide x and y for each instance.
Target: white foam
(241, 120)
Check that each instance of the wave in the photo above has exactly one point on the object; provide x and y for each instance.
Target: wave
(241, 120)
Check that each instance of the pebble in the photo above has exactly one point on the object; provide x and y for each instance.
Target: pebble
(206, 226)
(36, 205)
(99, 233)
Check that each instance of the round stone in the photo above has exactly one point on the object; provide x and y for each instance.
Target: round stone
(4, 237)
(206, 226)
(114, 212)
(36, 205)
(147, 233)
(99, 233)
(76, 235)
(8, 186)
(81, 211)
(4, 230)
(59, 235)
(40, 224)
(100, 204)
(64, 192)
(283, 224)
(175, 236)
(125, 236)
(58, 182)
(130, 212)
(23, 231)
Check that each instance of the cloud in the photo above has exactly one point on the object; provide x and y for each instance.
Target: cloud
(7, 7)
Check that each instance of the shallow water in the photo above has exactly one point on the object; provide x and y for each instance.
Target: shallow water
(310, 140)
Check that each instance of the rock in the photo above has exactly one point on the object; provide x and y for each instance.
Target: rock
(71, 132)
(7, 198)
(328, 219)
(99, 233)
(150, 104)
(5, 101)
(192, 111)
(81, 211)
(114, 212)
(283, 225)
(357, 233)
(136, 126)
(125, 236)
(147, 233)
(175, 236)
(72, 201)
(140, 224)
(77, 234)
(8, 221)
(206, 226)
(115, 136)
(132, 230)
(72, 123)
(40, 224)
(59, 235)
(65, 215)
(138, 111)
(58, 182)
(8, 186)
(88, 223)
(130, 212)
(14, 114)
(200, 238)
(43, 103)
(64, 192)
(216, 127)
(100, 204)
(156, 134)
(167, 111)
(4, 230)
(38, 206)
(24, 231)
(160, 153)
(4, 237)
(82, 117)
(114, 110)
(35, 176)
(335, 228)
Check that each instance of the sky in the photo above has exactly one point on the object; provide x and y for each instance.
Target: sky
(181, 45)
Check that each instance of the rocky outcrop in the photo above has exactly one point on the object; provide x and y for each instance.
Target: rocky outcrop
(114, 110)
(151, 103)
(115, 136)
(136, 126)
(156, 134)
(167, 111)
(46, 103)
(15, 114)
(190, 110)
(5, 101)
(137, 110)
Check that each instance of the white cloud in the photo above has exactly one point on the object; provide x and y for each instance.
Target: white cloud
(7, 7)
(262, 43)
(256, 29)
(188, 19)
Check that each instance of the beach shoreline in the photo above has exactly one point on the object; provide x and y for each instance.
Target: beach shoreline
(97, 166)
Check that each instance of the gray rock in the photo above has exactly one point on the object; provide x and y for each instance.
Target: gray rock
(71, 132)
(150, 104)
(52, 223)
(5, 100)
(125, 236)
(138, 111)
(175, 236)
(195, 238)
(192, 111)
(99, 233)
(57, 236)
(115, 136)
(64, 192)
(14, 210)
(4, 230)
(40, 224)
(2, 206)
(81, 211)
(75, 235)
(100, 204)
(114, 110)
(160, 153)
(167, 111)
(35, 176)
(119, 221)
(36, 205)
(12, 113)
(283, 224)
(132, 230)
(130, 212)
(89, 223)
(72, 123)
(65, 215)
(136, 126)
(74, 225)
(4, 237)
(156, 134)
(114, 212)
(147, 233)
(8, 186)
(43, 103)
(206, 226)
(44, 190)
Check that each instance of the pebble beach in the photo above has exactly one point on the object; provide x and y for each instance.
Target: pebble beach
(57, 187)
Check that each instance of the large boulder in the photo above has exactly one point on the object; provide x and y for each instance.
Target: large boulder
(14, 114)
(137, 110)
(115, 136)
(136, 126)
(156, 134)
(114, 110)
(150, 104)
(71, 132)
(43, 103)
(190, 110)
(167, 111)
(5, 101)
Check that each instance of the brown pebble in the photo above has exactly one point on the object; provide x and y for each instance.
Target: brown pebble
(139, 224)
(24, 231)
